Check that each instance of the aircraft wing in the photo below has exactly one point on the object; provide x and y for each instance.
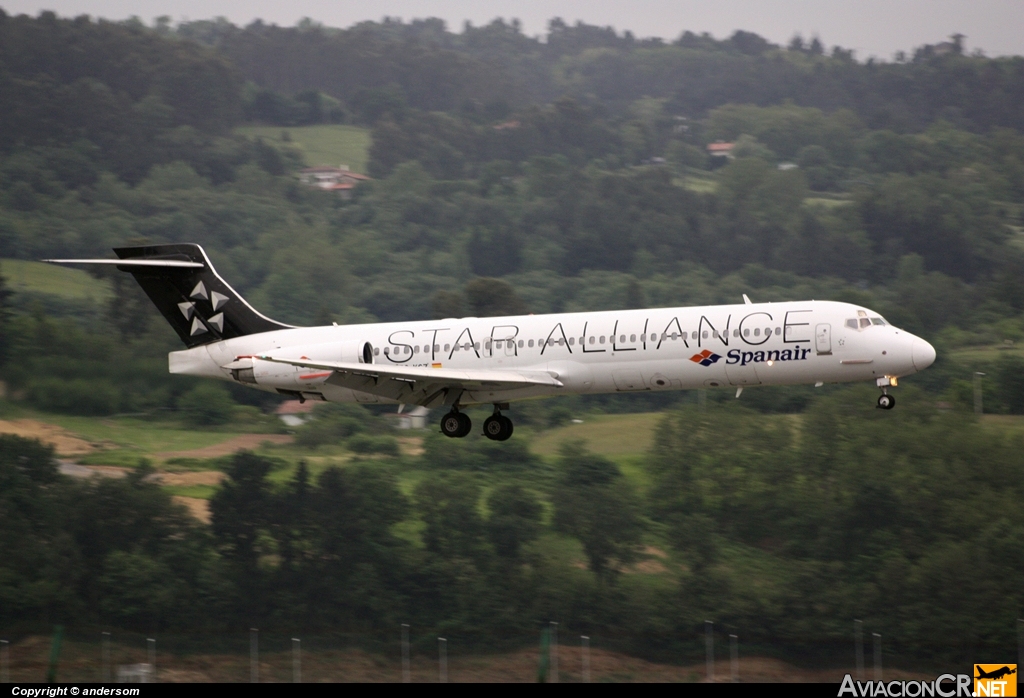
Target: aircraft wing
(420, 386)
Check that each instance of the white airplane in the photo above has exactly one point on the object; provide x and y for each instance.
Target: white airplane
(458, 362)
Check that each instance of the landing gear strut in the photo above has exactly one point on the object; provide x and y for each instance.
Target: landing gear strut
(455, 424)
(497, 427)
(885, 400)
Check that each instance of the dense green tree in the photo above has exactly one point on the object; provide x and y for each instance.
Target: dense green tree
(514, 519)
(594, 504)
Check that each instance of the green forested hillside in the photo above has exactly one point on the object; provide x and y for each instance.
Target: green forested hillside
(534, 176)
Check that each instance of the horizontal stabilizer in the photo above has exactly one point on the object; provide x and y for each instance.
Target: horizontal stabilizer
(131, 262)
(420, 386)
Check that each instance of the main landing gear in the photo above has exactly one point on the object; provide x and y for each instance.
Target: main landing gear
(497, 427)
(457, 424)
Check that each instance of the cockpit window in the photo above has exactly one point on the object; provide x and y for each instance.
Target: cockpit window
(877, 321)
(852, 323)
(864, 322)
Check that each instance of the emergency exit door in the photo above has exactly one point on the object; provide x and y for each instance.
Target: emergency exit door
(823, 338)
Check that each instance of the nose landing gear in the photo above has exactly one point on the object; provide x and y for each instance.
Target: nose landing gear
(885, 400)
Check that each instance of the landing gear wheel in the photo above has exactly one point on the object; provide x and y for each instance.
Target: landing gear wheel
(498, 427)
(886, 402)
(455, 425)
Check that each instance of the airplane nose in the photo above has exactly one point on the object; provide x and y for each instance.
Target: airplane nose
(922, 353)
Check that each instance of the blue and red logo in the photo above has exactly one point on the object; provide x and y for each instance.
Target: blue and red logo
(705, 358)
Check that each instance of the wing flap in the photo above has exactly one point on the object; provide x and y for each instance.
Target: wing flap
(421, 386)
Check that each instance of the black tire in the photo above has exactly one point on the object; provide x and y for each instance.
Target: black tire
(886, 402)
(494, 428)
(451, 425)
(467, 425)
(498, 427)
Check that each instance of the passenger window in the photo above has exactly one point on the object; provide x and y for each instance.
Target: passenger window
(385, 351)
(572, 341)
(601, 339)
(561, 341)
(864, 322)
(767, 331)
(376, 351)
(446, 347)
(531, 343)
(778, 331)
(736, 333)
(757, 331)
(417, 349)
(694, 335)
(746, 332)
(705, 334)
(852, 323)
(592, 340)
(632, 338)
(622, 339)
(437, 347)
(520, 344)
(714, 333)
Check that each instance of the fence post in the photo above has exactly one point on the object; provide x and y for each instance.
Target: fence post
(151, 645)
(858, 641)
(105, 656)
(585, 658)
(553, 648)
(405, 653)
(709, 648)
(734, 658)
(254, 655)
(442, 652)
(878, 656)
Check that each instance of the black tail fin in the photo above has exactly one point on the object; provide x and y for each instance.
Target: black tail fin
(181, 281)
(199, 304)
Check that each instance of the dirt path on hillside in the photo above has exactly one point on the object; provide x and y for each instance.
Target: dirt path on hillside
(226, 448)
(199, 508)
(64, 442)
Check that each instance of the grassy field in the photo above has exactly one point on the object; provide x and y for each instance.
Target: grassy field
(327, 144)
(612, 435)
(37, 277)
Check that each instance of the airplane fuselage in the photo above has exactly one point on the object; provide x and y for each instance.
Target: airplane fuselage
(806, 342)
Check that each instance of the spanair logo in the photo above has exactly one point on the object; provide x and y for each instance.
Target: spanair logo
(705, 358)
(995, 680)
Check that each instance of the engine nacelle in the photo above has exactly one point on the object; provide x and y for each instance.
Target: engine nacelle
(290, 378)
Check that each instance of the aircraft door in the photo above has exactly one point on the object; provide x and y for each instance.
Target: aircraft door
(823, 338)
